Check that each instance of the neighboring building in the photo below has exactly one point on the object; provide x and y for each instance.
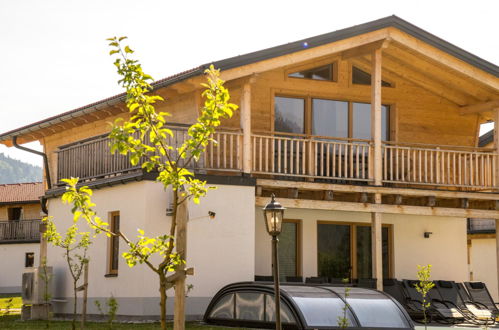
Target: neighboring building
(20, 214)
(367, 135)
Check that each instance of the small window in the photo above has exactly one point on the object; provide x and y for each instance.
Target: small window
(289, 115)
(15, 213)
(29, 259)
(114, 243)
(361, 77)
(324, 73)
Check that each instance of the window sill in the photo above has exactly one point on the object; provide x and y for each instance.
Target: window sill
(111, 275)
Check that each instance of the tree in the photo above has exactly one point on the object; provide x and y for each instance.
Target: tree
(75, 242)
(423, 287)
(144, 138)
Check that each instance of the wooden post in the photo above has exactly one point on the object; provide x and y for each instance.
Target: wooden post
(497, 251)
(181, 246)
(85, 295)
(246, 126)
(376, 242)
(376, 230)
(376, 115)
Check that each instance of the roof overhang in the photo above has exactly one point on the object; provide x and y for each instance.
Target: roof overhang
(392, 28)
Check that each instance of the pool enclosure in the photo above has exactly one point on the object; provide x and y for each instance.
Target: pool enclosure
(305, 306)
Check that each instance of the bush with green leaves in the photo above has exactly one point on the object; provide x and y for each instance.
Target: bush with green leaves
(423, 286)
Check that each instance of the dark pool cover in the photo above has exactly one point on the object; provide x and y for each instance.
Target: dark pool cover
(251, 304)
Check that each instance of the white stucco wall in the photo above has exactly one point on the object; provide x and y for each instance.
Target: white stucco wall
(484, 263)
(12, 258)
(221, 251)
(446, 248)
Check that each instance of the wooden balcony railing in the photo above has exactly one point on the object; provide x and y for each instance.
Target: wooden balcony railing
(19, 231)
(351, 160)
(306, 157)
(439, 166)
(283, 155)
(92, 159)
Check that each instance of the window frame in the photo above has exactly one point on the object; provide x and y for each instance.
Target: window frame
(353, 244)
(333, 67)
(111, 245)
(308, 116)
(298, 239)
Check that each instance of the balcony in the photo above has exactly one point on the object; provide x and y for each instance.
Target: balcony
(20, 231)
(322, 159)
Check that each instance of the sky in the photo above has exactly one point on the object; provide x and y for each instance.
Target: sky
(54, 56)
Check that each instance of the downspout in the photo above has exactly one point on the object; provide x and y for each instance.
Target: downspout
(39, 153)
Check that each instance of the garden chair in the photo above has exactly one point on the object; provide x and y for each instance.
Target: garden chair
(479, 293)
(474, 313)
(394, 288)
(438, 309)
(367, 283)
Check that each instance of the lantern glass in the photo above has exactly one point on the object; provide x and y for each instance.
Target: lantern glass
(273, 213)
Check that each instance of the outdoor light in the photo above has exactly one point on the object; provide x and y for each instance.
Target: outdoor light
(273, 213)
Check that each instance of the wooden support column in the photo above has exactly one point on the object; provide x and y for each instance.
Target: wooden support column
(376, 115)
(376, 230)
(181, 247)
(497, 251)
(246, 126)
(376, 245)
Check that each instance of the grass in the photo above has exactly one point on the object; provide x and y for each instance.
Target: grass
(14, 322)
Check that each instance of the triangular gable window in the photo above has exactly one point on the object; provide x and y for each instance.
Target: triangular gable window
(361, 77)
(324, 73)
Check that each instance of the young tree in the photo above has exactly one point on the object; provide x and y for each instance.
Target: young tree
(145, 139)
(423, 287)
(75, 244)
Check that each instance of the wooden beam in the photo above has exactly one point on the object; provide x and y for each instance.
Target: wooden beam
(376, 115)
(372, 190)
(444, 58)
(480, 107)
(246, 126)
(431, 201)
(328, 195)
(422, 80)
(381, 208)
(365, 49)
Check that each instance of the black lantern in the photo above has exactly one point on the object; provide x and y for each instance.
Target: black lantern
(273, 213)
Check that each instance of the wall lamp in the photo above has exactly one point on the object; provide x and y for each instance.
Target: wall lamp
(427, 234)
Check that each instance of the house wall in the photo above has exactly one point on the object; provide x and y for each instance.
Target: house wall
(221, 251)
(484, 263)
(12, 257)
(30, 211)
(445, 249)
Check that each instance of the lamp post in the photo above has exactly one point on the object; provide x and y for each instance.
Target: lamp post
(273, 214)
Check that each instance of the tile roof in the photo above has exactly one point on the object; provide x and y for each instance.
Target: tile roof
(21, 192)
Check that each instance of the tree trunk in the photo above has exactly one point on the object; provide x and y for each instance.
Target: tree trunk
(75, 295)
(162, 303)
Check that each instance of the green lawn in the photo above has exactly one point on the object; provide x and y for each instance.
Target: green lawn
(14, 322)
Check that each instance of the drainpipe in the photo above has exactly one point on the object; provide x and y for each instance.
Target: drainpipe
(45, 160)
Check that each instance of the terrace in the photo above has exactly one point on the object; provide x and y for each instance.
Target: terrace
(20, 231)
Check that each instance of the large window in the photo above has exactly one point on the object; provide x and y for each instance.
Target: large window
(289, 246)
(329, 118)
(344, 250)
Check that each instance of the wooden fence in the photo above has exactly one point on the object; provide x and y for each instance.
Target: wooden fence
(19, 230)
(92, 159)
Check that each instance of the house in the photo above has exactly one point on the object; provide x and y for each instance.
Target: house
(20, 215)
(367, 135)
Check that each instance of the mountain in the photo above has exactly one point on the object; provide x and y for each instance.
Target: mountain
(15, 171)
